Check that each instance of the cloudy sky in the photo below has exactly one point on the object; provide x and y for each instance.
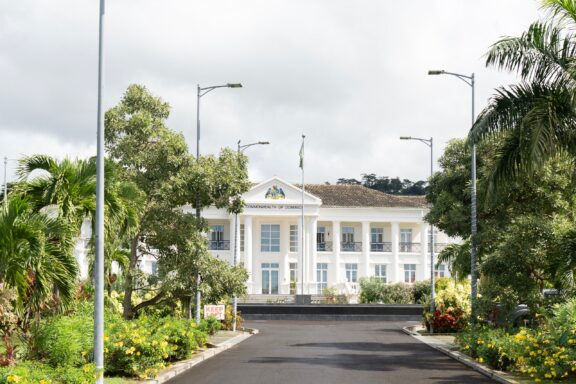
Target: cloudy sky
(349, 74)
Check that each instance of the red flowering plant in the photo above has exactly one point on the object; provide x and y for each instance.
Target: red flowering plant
(452, 307)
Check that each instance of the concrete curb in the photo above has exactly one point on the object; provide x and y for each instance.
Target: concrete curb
(498, 376)
(181, 366)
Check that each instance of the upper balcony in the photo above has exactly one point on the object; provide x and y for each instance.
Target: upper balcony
(219, 245)
(381, 247)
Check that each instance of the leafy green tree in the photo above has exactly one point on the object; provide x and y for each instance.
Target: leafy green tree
(156, 159)
(385, 184)
(520, 229)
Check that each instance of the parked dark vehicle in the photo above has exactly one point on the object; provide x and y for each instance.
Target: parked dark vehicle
(517, 316)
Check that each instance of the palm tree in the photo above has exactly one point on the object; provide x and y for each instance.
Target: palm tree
(68, 186)
(536, 117)
(36, 258)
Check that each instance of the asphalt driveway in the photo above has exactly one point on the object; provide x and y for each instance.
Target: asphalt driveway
(301, 352)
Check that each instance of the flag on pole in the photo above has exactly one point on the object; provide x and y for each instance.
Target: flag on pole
(302, 153)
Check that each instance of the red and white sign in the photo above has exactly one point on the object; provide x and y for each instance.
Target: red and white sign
(216, 311)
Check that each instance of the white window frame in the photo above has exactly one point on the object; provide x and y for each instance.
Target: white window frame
(270, 238)
(217, 232)
(409, 273)
(351, 272)
(380, 272)
(293, 238)
(321, 277)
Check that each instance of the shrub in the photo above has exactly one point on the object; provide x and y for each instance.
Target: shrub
(64, 340)
(398, 293)
(371, 290)
(452, 306)
(37, 373)
(142, 347)
(448, 320)
(374, 290)
(210, 325)
(421, 291)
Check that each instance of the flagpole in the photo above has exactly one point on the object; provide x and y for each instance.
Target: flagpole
(302, 234)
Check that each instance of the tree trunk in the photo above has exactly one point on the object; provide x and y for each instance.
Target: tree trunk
(129, 283)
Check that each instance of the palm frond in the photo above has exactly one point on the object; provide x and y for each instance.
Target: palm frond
(543, 53)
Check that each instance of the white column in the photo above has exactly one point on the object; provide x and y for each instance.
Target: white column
(365, 271)
(238, 239)
(336, 250)
(248, 252)
(232, 232)
(313, 252)
(396, 276)
(424, 270)
(284, 275)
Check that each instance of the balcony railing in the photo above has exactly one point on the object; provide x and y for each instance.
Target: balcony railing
(219, 245)
(381, 247)
(410, 247)
(351, 246)
(324, 247)
(438, 247)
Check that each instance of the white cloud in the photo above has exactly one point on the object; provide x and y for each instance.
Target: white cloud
(349, 74)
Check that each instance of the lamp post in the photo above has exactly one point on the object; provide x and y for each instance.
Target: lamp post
(99, 229)
(473, 226)
(237, 236)
(430, 143)
(201, 91)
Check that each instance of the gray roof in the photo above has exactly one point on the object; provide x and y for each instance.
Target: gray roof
(359, 196)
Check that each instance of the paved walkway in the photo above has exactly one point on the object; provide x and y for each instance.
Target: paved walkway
(330, 352)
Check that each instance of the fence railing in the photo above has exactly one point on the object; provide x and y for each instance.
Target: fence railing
(381, 247)
(219, 245)
(324, 247)
(351, 246)
(410, 247)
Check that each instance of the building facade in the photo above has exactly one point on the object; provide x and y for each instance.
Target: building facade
(348, 232)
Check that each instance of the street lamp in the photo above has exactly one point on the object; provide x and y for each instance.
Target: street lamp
(99, 228)
(241, 148)
(473, 255)
(430, 143)
(201, 91)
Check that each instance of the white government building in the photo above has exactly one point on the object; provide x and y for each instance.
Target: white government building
(350, 232)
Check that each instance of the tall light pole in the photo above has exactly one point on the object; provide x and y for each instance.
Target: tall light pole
(430, 143)
(201, 91)
(99, 230)
(473, 251)
(236, 253)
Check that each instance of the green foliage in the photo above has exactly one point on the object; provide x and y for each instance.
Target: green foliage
(210, 325)
(421, 291)
(36, 258)
(374, 290)
(524, 233)
(29, 372)
(540, 354)
(157, 160)
(451, 304)
(65, 340)
(143, 346)
(394, 186)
